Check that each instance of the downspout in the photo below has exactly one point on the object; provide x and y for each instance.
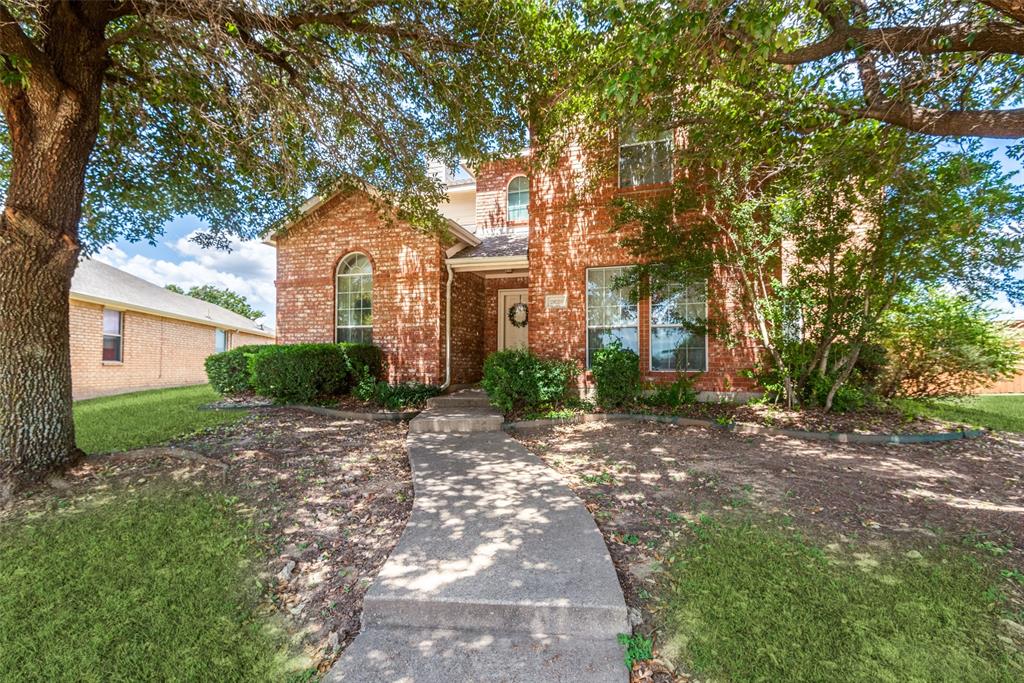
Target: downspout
(448, 328)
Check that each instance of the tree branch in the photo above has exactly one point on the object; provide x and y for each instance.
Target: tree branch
(14, 42)
(995, 38)
(989, 123)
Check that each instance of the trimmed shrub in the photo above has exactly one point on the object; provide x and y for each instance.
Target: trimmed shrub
(300, 373)
(228, 371)
(617, 376)
(518, 381)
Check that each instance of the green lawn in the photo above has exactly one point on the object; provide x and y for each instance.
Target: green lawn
(134, 587)
(748, 603)
(1005, 413)
(145, 418)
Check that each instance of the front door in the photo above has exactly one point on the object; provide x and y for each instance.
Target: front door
(513, 318)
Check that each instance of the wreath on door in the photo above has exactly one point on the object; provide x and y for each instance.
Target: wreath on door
(518, 315)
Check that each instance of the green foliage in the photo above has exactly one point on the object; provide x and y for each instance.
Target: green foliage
(865, 213)
(224, 298)
(639, 648)
(394, 397)
(301, 373)
(1004, 413)
(680, 392)
(816, 617)
(151, 586)
(228, 371)
(617, 376)
(517, 381)
(146, 418)
(942, 345)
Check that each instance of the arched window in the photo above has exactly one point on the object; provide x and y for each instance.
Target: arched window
(518, 199)
(354, 300)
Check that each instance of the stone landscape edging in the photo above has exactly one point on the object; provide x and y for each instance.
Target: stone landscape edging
(358, 415)
(747, 428)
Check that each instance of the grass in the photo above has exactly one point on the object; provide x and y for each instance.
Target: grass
(145, 418)
(1004, 413)
(135, 587)
(747, 603)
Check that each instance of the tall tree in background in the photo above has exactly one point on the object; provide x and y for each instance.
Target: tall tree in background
(224, 298)
(118, 114)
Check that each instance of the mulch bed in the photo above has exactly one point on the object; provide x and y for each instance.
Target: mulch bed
(881, 420)
(330, 498)
(642, 481)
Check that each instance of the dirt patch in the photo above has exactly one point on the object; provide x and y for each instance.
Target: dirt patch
(329, 497)
(880, 420)
(643, 481)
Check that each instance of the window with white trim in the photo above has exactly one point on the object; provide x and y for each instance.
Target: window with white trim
(519, 199)
(113, 335)
(611, 311)
(221, 340)
(676, 309)
(644, 162)
(354, 300)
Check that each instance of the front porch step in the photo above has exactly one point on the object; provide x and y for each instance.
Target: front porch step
(467, 398)
(452, 420)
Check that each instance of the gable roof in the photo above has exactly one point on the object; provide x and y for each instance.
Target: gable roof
(314, 203)
(99, 283)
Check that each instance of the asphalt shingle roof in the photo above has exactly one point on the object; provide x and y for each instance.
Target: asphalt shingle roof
(499, 244)
(97, 280)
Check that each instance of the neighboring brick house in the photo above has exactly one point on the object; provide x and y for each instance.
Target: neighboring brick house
(128, 334)
(531, 263)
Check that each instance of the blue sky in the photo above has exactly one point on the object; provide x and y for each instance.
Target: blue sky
(250, 268)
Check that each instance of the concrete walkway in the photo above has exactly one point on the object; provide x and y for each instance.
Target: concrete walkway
(500, 575)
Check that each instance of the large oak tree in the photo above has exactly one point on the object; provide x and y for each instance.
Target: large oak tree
(120, 114)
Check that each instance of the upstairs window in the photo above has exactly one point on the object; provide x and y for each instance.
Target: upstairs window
(519, 199)
(113, 327)
(644, 162)
(221, 340)
(611, 311)
(676, 310)
(354, 300)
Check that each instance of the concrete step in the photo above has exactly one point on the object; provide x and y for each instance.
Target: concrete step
(468, 398)
(450, 420)
(511, 615)
(412, 655)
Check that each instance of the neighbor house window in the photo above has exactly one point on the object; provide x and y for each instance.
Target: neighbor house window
(112, 335)
(222, 340)
(354, 300)
(611, 311)
(678, 313)
(645, 162)
(519, 199)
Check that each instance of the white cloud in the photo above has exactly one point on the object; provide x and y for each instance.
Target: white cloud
(248, 269)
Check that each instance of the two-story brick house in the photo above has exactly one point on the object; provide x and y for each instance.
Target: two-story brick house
(532, 264)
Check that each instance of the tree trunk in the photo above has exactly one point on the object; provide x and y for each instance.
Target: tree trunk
(53, 124)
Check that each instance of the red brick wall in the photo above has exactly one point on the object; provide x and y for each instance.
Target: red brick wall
(467, 328)
(156, 352)
(492, 181)
(408, 276)
(490, 318)
(569, 232)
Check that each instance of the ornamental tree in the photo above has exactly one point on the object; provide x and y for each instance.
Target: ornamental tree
(118, 114)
